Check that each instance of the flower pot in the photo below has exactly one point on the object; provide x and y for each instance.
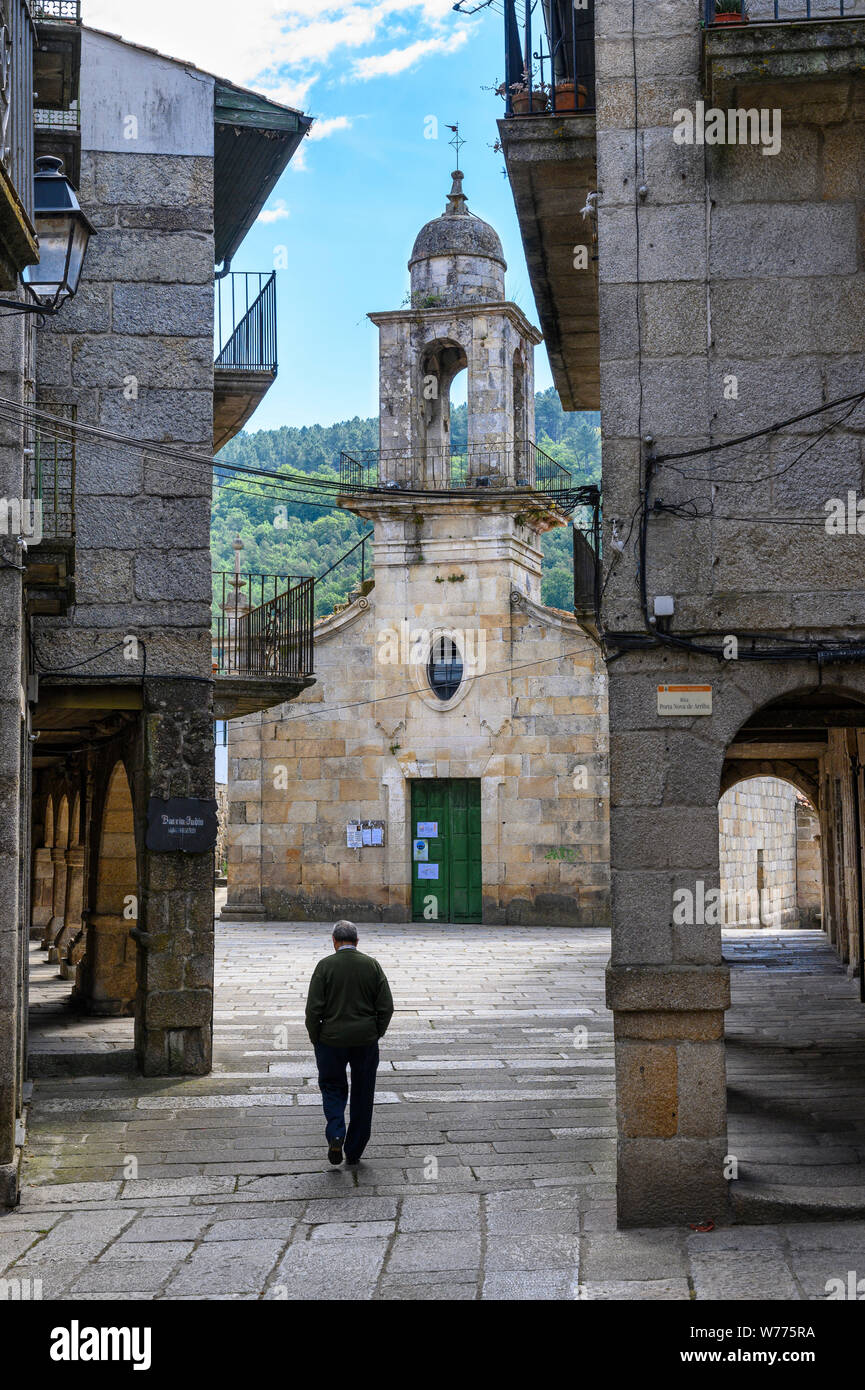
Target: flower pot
(570, 99)
(522, 103)
(731, 19)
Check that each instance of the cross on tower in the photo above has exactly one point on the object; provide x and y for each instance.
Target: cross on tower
(457, 141)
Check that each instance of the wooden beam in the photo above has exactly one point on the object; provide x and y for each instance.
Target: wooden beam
(788, 752)
(99, 697)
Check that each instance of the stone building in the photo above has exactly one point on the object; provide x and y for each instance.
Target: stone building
(769, 856)
(450, 763)
(110, 611)
(712, 175)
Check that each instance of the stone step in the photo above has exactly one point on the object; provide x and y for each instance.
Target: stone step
(758, 1204)
(117, 1062)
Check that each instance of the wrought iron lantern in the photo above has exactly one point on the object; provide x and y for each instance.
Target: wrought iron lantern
(64, 235)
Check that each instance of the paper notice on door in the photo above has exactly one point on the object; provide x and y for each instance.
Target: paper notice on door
(427, 870)
(427, 829)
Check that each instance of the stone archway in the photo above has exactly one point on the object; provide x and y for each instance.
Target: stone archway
(106, 981)
(668, 984)
(770, 847)
(441, 361)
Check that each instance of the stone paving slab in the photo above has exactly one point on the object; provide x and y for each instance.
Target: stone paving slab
(491, 1170)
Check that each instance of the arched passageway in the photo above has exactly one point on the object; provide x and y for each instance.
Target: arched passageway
(770, 855)
(791, 833)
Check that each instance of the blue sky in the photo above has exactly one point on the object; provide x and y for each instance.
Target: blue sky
(371, 72)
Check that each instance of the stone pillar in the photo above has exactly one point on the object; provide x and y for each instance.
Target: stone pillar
(174, 1004)
(106, 977)
(75, 950)
(43, 893)
(58, 899)
(666, 983)
(74, 903)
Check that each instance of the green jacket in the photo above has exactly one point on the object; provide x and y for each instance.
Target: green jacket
(349, 1002)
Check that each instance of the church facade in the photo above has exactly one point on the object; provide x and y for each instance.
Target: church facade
(450, 763)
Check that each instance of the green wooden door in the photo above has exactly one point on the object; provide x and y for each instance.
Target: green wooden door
(447, 884)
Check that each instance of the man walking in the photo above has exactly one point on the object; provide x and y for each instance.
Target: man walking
(348, 1009)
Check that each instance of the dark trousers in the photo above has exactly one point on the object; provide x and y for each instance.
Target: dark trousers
(363, 1064)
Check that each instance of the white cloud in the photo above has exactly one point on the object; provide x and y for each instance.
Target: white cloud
(400, 59)
(277, 213)
(327, 125)
(281, 46)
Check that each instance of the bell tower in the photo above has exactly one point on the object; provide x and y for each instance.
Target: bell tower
(457, 318)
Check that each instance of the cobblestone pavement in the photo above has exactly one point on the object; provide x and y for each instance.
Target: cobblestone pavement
(491, 1169)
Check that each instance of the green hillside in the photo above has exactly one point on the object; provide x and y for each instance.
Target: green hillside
(281, 536)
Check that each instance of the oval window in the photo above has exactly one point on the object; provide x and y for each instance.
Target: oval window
(445, 668)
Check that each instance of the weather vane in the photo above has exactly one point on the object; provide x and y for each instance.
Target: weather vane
(457, 141)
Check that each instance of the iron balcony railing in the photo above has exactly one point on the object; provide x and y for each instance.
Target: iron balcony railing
(245, 322)
(480, 466)
(587, 558)
(549, 58)
(360, 565)
(48, 10)
(774, 11)
(50, 468)
(16, 99)
(262, 625)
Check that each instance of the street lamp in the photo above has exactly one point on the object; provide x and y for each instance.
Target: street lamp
(64, 233)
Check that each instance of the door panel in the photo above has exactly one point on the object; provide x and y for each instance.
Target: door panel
(455, 806)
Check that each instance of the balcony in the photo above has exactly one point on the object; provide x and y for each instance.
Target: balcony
(50, 464)
(262, 640)
(779, 42)
(548, 139)
(245, 349)
(18, 247)
(549, 69)
(587, 565)
(520, 470)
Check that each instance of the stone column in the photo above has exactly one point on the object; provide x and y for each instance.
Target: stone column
(58, 899)
(666, 984)
(106, 978)
(74, 903)
(43, 893)
(174, 1004)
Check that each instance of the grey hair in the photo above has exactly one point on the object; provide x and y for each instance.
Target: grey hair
(345, 931)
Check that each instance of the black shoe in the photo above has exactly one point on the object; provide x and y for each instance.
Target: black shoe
(352, 1162)
(334, 1152)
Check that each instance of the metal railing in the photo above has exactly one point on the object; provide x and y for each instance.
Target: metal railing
(778, 11)
(245, 321)
(587, 558)
(50, 10)
(549, 59)
(478, 467)
(16, 99)
(359, 545)
(263, 625)
(69, 121)
(50, 461)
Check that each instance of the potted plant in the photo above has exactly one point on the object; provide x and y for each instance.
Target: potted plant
(571, 96)
(731, 12)
(524, 99)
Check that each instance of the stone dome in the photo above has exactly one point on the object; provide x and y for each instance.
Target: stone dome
(472, 246)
